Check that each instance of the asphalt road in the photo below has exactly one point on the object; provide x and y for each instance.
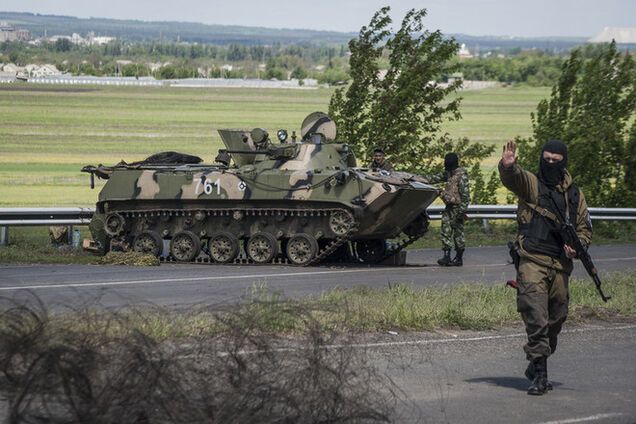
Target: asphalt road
(478, 377)
(446, 377)
(183, 285)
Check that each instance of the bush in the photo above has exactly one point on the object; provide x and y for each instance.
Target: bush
(108, 368)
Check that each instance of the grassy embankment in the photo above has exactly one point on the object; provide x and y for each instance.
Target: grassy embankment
(400, 307)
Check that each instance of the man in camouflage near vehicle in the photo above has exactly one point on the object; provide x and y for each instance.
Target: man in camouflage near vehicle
(456, 196)
(544, 261)
(379, 162)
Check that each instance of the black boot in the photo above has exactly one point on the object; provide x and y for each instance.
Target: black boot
(446, 259)
(540, 383)
(458, 261)
(530, 374)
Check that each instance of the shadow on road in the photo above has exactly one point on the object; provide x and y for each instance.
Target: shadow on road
(518, 383)
(509, 382)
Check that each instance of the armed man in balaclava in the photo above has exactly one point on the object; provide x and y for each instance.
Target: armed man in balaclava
(544, 261)
(456, 196)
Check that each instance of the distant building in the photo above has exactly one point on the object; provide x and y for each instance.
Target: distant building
(77, 39)
(12, 68)
(38, 71)
(99, 40)
(454, 77)
(620, 35)
(30, 68)
(463, 52)
(89, 40)
(11, 33)
(44, 71)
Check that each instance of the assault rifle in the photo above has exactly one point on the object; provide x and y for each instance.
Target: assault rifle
(571, 238)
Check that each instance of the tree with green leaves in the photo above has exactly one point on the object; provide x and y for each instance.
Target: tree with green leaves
(590, 109)
(401, 109)
(482, 192)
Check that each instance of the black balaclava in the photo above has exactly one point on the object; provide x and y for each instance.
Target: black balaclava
(552, 173)
(451, 162)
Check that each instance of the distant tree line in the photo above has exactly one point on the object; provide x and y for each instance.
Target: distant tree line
(533, 68)
(329, 63)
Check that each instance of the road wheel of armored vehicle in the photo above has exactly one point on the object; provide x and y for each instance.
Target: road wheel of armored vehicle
(262, 247)
(114, 224)
(148, 243)
(185, 246)
(100, 236)
(301, 249)
(370, 251)
(340, 222)
(223, 247)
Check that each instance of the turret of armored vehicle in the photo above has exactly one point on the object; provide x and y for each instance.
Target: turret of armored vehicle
(300, 201)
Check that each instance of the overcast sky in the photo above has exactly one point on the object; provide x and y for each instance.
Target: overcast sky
(526, 18)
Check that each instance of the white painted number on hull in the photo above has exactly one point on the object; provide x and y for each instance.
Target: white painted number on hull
(208, 186)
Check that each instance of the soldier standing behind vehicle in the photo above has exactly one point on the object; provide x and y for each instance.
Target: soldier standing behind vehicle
(544, 261)
(456, 196)
(379, 162)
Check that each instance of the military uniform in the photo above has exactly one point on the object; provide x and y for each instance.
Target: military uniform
(384, 166)
(456, 196)
(544, 269)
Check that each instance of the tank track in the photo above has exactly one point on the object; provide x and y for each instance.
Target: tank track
(334, 245)
(242, 258)
(404, 243)
(401, 245)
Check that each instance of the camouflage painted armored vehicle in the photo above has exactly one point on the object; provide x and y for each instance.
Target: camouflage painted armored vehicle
(297, 200)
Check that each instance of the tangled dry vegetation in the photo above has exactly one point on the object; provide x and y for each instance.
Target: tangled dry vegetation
(128, 258)
(106, 369)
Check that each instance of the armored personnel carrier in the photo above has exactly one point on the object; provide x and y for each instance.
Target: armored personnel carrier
(289, 200)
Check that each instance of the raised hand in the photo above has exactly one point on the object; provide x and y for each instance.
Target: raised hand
(508, 156)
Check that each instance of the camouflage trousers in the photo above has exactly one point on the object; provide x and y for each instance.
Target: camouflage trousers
(542, 301)
(452, 233)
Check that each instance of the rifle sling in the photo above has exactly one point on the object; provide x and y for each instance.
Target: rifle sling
(542, 211)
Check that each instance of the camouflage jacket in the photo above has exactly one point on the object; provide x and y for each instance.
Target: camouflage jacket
(457, 190)
(526, 186)
(385, 166)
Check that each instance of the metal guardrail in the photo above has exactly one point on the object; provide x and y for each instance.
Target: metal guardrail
(10, 217)
(510, 212)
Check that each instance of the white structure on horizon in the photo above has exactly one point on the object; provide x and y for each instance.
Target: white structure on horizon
(44, 71)
(463, 52)
(620, 35)
(13, 68)
(100, 40)
(90, 39)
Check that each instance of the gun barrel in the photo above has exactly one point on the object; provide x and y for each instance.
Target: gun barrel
(250, 152)
(599, 289)
(574, 241)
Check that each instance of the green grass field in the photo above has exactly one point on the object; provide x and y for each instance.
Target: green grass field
(47, 133)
